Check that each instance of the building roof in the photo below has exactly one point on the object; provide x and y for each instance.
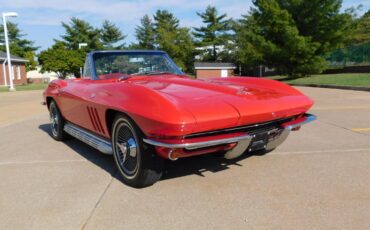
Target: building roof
(213, 65)
(12, 57)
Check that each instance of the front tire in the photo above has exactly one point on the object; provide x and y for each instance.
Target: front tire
(56, 122)
(136, 161)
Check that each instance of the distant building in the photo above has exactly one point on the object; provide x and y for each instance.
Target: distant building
(19, 70)
(216, 69)
(35, 76)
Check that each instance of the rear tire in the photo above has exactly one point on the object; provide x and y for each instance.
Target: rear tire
(57, 122)
(137, 162)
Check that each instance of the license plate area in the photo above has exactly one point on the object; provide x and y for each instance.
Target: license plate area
(260, 140)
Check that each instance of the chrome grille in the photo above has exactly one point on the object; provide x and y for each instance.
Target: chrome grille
(254, 129)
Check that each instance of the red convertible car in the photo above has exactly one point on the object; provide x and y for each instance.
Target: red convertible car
(140, 107)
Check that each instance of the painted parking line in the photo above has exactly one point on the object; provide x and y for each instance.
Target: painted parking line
(342, 108)
(40, 162)
(361, 129)
(321, 151)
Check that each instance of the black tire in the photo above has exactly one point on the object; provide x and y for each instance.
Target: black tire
(137, 162)
(57, 122)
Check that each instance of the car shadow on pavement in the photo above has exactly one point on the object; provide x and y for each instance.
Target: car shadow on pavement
(173, 169)
(201, 164)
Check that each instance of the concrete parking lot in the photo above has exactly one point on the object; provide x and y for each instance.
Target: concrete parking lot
(318, 179)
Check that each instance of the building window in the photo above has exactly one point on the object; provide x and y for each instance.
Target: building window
(224, 73)
(18, 70)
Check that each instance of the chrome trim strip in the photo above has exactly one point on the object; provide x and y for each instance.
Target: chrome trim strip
(309, 118)
(198, 145)
(89, 138)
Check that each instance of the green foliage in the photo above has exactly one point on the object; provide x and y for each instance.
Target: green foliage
(61, 60)
(361, 33)
(294, 35)
(355, 54)
(175, 40)
(80, 31)
(213, 34)
(32, 63)
(246, 51)
(145, 34)
(18, 45)
(65, 57)
(111, 35)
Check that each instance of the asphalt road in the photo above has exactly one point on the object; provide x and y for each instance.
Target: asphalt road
(318, 179)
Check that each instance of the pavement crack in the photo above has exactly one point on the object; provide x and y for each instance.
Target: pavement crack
(338, 126)
(99, 200)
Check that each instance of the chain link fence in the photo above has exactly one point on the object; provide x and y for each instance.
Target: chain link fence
(354, 55)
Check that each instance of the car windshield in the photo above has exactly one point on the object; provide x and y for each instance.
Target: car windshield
(126, 64)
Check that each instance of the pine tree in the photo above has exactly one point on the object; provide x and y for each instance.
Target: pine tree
(294, 36)
(145, 34)
(79, 31)
(175, 40)
(214, 34)
(111, 35)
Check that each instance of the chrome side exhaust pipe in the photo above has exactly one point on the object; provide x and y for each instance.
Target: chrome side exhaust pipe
(94, 141)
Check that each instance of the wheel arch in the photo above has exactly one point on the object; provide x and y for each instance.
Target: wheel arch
(48, 101)
(110, 114)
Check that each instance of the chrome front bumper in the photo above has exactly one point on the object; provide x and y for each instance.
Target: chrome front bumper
(244, 141)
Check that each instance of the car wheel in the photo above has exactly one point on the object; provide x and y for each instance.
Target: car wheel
(137, 162)
(56, 122)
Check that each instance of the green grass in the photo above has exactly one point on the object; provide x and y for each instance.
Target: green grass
(350, 79)
(25, 87)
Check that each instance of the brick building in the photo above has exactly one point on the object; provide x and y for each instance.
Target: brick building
(216, 69)
(19, 70)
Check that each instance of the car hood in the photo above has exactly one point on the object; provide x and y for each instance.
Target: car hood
(226, 102)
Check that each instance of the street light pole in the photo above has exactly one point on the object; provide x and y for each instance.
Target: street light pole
(80, 45)
(10, 69)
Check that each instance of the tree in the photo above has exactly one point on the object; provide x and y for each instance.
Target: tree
(65, 57)
(145, 34)
(20, 46)
(361, 33)
(79, 31)
(244, 50)
(214, 34)
(295, 35)
(111, 35)
(175, 40)
(61, 60)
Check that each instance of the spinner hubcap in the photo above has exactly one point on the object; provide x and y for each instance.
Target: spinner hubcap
(126, 150)
(54, 121)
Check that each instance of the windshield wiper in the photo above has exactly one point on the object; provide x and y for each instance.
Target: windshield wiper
(124, 77)
(151, 73)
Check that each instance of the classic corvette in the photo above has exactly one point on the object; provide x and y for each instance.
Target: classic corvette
(141, 108)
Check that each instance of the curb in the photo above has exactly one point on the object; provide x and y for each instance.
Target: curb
(357, 88)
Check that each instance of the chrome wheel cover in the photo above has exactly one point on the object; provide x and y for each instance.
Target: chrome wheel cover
(54, 120)
(126, 149)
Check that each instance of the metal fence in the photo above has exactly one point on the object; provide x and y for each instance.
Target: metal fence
(354, 55)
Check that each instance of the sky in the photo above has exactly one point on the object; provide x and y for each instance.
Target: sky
(41, 20)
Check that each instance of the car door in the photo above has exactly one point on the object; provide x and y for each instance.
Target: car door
(73, 101)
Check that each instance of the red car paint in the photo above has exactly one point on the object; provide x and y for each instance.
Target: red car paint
(171, 106)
